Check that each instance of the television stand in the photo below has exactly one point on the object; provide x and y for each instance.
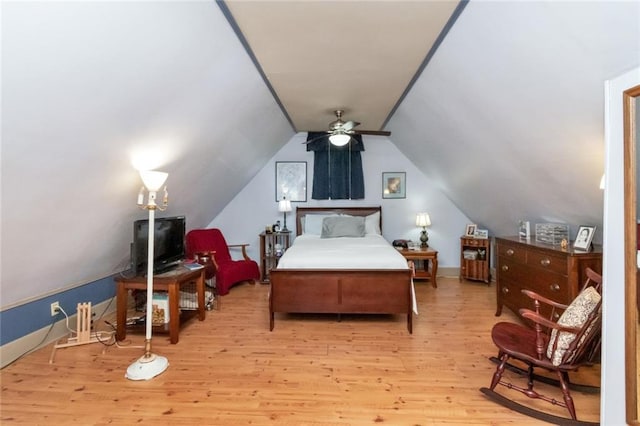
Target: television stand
(170, 282)
(171, 267)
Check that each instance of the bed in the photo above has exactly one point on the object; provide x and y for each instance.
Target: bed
(328, 281)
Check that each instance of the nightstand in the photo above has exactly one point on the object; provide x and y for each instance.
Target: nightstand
(272, 247)
(474, 259)
(421, 258)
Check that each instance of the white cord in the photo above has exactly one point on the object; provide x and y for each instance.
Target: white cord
(98, 335)
(66, 320)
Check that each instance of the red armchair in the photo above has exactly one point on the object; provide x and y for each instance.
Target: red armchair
(228, 272)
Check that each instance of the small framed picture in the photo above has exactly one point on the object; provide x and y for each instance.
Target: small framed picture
(481, 233)
(584, 237)
(470, 231)
(394, 185)
(524, 230)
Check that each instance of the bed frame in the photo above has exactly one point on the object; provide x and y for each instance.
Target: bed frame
(371, 291)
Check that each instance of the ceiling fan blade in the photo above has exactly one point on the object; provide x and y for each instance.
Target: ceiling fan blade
(350, 134)
(349, 125)
(323, 135)
(372, 132)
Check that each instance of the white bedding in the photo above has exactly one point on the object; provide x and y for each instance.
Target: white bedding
(368, 252)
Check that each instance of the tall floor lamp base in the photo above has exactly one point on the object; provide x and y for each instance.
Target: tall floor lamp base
(147, 367)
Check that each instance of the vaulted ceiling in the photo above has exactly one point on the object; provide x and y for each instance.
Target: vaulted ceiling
(506, 119)
(359, 57)
(499, 103)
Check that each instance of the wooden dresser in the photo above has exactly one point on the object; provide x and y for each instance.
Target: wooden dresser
(550, 271)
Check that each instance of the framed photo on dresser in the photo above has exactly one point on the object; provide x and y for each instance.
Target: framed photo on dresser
(470, 230)
(584, 238)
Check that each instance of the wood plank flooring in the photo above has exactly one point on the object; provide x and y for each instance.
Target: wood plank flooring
(310, 370)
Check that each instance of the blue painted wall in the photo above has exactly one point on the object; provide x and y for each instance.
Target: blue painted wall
(24, 319)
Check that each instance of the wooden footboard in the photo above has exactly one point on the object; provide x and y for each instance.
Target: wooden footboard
(381, 291)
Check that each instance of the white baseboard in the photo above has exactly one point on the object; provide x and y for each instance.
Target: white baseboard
(47, 335)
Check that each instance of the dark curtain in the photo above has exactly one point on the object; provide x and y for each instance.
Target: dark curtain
(337, 170)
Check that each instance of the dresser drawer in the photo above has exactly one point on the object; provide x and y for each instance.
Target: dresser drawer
(512, 271)
(513, 252)
(552, 286)
(547, 261)
(511, 294)
(474, 242)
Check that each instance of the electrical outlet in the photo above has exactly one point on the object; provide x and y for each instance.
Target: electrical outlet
(55, 308)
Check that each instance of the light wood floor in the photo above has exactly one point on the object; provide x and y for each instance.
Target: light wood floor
(310, 370)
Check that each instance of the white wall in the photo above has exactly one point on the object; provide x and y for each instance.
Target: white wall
(507, 116)
(92, 89)
(613, 360)
(255, 206)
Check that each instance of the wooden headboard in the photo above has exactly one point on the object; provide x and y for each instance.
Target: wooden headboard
(353, 211)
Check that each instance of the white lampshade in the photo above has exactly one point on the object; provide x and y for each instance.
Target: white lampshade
(152, 179)
(339, 139)
(423, 219)
(284, 205)
(602, 182)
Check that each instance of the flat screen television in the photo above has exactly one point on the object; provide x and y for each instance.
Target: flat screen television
(168, 247)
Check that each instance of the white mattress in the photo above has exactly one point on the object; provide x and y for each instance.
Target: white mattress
(369, 252)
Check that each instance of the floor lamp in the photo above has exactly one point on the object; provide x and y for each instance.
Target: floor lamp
(149, 365)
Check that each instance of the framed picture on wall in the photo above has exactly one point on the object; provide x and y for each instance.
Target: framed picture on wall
(291, 180)
(394, 185)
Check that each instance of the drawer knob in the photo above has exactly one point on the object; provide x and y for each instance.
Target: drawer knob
(505, 268)
(510, 252)
(545, 262)
(505, 290)
(554, 287)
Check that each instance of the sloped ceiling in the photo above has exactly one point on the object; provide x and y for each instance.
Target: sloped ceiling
(89, 89)
(320, 56)
(506, 117)
(506, 120)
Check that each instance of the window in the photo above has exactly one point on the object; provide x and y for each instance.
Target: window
(337, 170)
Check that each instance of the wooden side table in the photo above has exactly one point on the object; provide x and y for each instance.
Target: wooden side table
(170, 282)
(424, 255)
(475, 255)
(269, 257)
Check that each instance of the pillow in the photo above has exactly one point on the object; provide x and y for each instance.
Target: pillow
(575, 315)
(313, 223)
(342, 226)
(372, 224)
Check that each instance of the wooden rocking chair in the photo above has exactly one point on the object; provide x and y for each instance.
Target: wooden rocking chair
(559, 347)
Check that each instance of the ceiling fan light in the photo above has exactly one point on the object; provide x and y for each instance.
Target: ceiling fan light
(339, 139)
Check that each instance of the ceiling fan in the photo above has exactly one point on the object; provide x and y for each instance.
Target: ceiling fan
(341, 131)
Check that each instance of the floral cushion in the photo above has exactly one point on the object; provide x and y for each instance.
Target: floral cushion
(575, 315)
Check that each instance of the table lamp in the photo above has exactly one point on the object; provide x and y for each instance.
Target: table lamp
(423, 220)
(284, 206)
